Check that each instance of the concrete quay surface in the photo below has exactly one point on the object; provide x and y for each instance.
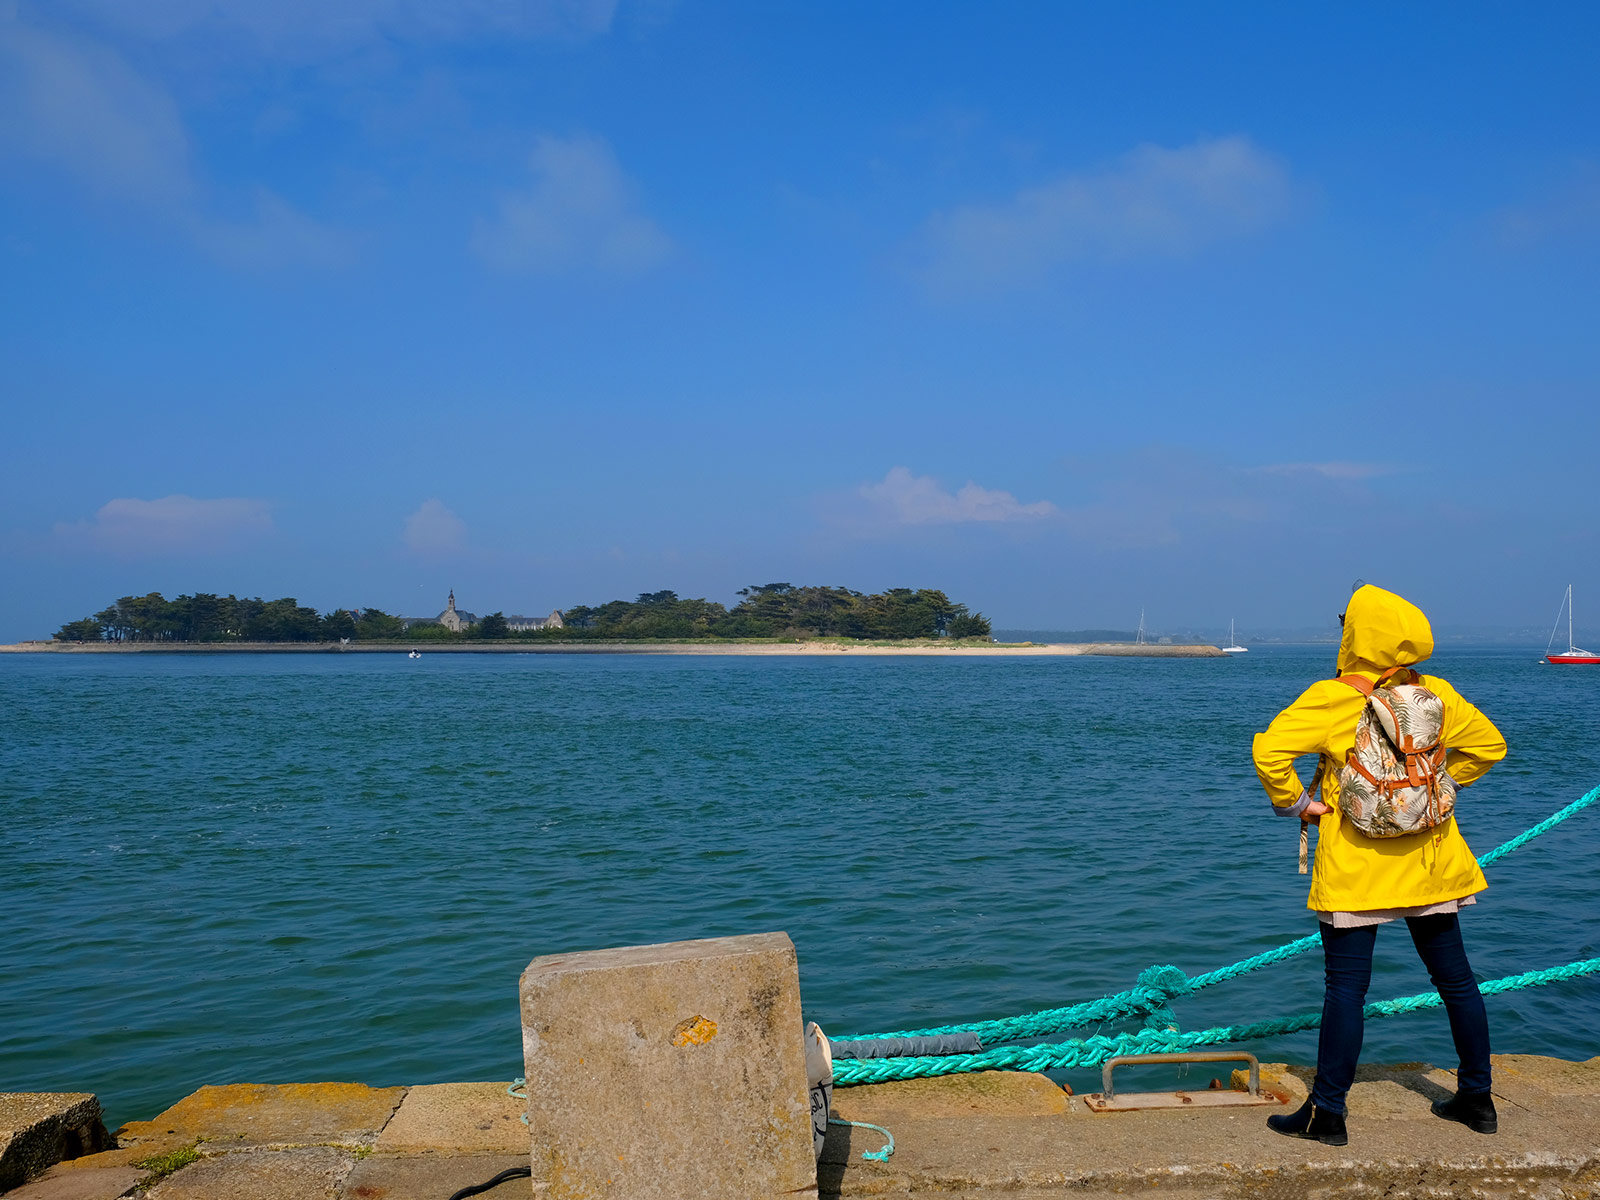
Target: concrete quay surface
(1012, 1135)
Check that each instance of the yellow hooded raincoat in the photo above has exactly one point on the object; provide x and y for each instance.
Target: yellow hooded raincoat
(1353, 872)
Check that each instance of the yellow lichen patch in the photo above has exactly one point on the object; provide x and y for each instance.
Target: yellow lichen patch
(265, 1114)
(696, 1031)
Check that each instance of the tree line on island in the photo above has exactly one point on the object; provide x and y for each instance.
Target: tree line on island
(774, 610)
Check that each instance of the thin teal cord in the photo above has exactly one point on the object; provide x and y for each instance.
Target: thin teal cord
(1093, 1051)
(874, 1155)
(1158, 985)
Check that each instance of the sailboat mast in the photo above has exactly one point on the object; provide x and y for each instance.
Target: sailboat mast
(1570, 643)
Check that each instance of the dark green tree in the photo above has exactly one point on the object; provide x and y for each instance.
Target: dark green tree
(340, 623)
(375, 625)
(492, 626)
(87, 630)
(969, 625)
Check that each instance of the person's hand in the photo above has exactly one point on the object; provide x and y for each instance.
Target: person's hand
(1313, 812)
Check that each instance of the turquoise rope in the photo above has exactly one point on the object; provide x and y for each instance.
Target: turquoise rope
(1158, 985)
(874, 1155)
(1093, 1051)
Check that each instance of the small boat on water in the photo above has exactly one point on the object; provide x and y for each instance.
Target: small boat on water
(415, 654)
(1233, 646)
(1572, 655)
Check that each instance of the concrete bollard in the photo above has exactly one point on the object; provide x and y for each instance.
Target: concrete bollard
(40, 1129)
(664, 1072)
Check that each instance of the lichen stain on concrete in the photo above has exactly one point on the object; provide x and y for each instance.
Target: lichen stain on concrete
(696, 1031)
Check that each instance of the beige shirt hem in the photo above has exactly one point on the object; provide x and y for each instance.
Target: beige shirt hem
(1382, 916)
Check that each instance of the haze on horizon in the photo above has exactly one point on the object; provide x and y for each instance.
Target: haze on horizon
(1067, 312)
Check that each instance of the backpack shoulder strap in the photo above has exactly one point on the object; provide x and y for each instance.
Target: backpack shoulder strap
(1355, 681)
(1365, 688)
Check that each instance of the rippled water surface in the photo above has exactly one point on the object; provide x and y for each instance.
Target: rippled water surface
(272, 869)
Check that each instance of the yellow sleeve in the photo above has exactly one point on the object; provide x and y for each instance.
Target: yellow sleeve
(1472, 743)
(1302, 728)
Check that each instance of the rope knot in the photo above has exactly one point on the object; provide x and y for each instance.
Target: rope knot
(1165, 978)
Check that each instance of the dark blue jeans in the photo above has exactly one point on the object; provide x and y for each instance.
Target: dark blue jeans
(1348, 955)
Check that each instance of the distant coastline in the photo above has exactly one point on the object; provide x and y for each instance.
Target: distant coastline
(812, 648)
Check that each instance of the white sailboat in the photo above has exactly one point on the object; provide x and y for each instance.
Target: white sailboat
(1138, 638)
(1571, 656)
(1233, 646)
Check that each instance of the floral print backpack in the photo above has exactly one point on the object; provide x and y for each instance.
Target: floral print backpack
(1394, 780)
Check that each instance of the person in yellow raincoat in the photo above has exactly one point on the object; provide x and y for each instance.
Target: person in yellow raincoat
(1361, 882)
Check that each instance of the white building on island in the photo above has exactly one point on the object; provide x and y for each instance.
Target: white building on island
(523, 624)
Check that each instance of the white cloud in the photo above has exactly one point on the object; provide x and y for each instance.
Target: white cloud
(578, 215)
(172, 523)
(902, 498)
(1153, 202)
(434, 529)
(77, 106)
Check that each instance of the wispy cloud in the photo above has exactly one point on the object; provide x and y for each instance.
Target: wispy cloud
(578, 214)
(1153, 202)
(307, 29)
(1327, 470)
(78, 107)
(1571, 209)
(902, 498)
(433, 529)
(1163, 496)
(171, 524)
(277, 235)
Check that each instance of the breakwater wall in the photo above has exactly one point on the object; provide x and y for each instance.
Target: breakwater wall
(1014, 1135)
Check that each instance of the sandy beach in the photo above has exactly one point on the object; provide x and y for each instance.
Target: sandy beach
(789, 649)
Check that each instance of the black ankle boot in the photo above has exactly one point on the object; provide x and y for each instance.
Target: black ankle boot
(1312, 1122)
(1475, 1110)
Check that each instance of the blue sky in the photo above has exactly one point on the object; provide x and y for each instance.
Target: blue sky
(1067, 310)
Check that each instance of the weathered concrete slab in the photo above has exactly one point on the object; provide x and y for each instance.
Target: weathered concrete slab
(1554, 1075)
(431, 1176)
(1226, 1153)
(663, 1072)
(40, 1129)
(1548, 1146)
(123, 1156)
(992, 1093)
(306, 1173)
(472, 1118)
(1563, 1108)
(92, 1183)
(255, 1114)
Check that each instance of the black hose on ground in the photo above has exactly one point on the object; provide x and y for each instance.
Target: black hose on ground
(512, 1173)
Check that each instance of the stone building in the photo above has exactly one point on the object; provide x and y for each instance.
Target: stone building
(454, 620)
(523, 624)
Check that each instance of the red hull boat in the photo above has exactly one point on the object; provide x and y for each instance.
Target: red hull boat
(1572, 656)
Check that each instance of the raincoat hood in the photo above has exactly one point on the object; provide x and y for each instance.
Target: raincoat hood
(1382, 630)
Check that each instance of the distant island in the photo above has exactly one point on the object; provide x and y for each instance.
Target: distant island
(773, 610)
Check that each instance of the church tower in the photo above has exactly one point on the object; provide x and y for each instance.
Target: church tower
(449, 618)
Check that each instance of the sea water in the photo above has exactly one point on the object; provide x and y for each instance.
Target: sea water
(271, 868)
